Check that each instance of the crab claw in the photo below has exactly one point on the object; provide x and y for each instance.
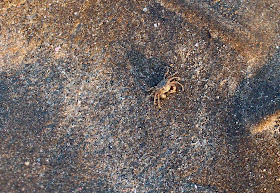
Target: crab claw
(172, 89)
(163, 96)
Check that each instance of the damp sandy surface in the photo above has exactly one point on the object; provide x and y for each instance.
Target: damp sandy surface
(75, 115)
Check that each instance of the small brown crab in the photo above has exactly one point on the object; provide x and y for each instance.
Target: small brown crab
(164, 88)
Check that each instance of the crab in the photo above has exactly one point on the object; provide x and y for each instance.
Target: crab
(165, 87)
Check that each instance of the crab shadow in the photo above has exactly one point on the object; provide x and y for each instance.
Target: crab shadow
(147, 71)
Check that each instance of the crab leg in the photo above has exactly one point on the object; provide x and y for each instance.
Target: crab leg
(166, 73)
(152, 93)
(159, 101)
(180, 85)
(173, 78)
(174, 84)
(148, 90)
(174, 74)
